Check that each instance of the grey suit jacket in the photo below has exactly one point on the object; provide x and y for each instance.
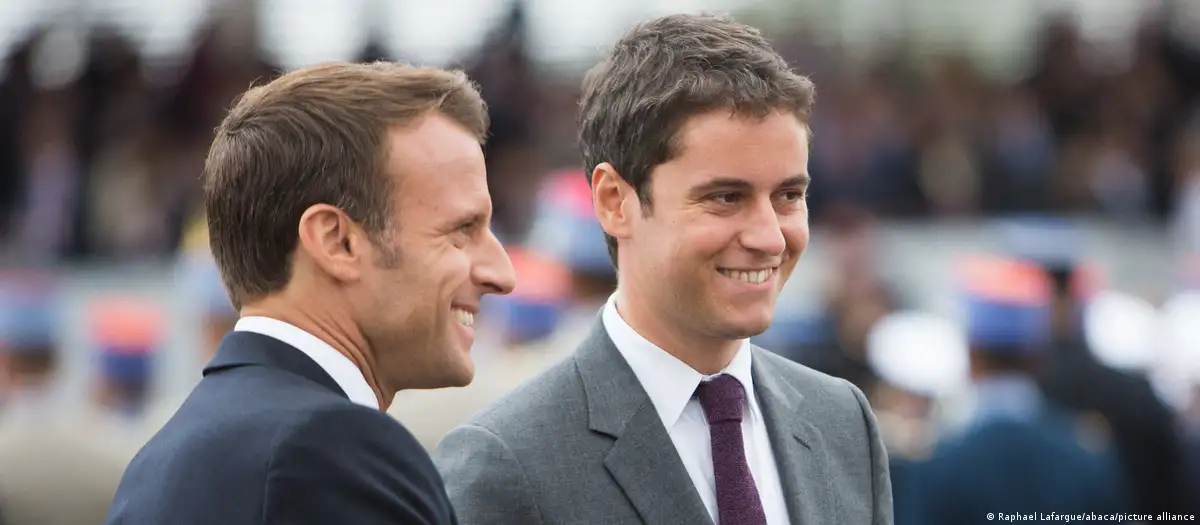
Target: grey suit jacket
(583, 444)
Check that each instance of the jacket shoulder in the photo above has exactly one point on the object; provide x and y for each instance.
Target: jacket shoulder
(540, 401)
(807, 380)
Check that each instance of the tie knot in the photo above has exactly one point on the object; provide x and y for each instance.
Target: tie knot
(722, 399)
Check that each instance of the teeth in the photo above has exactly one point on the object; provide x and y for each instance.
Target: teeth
(464, 317)
(750, 277)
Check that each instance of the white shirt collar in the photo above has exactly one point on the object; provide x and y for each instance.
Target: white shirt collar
(338, 366)
(669, 382)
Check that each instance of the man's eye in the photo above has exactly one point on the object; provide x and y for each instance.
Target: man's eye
(793, 195)
(726, 198)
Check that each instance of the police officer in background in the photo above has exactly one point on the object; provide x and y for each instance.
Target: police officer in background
(1017, 453)
(55, 469)
(128, 335)
(1144, 429)
(566, 228)
(921, 361)
(1183, 335)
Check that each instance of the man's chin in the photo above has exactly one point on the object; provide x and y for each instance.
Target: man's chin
(748, 323)
(462, 376)
(453, 376)
(744, 328)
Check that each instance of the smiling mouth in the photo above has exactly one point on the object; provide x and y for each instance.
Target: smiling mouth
(464, 317)
(749, 276)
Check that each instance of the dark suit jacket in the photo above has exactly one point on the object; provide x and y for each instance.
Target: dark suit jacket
(268, 437)
(1143, 428)
(1016, 467)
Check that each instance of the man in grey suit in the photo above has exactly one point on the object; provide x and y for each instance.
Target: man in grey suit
(694, 133)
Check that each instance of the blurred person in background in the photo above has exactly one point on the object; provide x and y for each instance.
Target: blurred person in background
(566, 227)
(42, 228)
(1179, 372)
(921, 361)
(1018, 453)
(507, 76)
(1191, 420)
(1143, 427)
(695, 134)
(857, 298)
(128, 338)
(361, 280)
(56, 468)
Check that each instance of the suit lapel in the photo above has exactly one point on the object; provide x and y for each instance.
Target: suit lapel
(643, 460)
(645, 464)
(794, 442)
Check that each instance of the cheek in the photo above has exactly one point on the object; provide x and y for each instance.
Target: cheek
(796, 234)
(706, 237)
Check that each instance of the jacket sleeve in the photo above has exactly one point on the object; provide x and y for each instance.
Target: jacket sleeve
(484, 480)
(352, 465)
(881, 478)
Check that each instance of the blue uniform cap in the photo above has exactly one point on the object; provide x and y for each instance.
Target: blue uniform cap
(126, 366)
(1005, 305)
(566, 227)
(128, 332)
(1006, 326)
(525, 319)
(28, 312)
(542, 295)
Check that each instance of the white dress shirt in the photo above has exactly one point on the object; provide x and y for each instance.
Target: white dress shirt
(670, 384)
(338, 366)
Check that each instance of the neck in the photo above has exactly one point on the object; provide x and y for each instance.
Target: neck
(333, 329)
(704, 354)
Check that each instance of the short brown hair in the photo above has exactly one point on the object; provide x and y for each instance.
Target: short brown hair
(663, 72)
(315, 135)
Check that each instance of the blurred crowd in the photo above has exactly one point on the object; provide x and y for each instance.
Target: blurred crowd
(101, 155)
(101, 151)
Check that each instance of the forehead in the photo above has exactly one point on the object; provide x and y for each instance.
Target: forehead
(437, 163)
(722, 144)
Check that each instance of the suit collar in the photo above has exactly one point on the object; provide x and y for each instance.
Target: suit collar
(642, 459)
(783, 405)
(669, 382)
(343, 371)
(239, 349)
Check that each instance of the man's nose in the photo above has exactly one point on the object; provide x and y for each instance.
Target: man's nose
(494, 271)
(763, 232)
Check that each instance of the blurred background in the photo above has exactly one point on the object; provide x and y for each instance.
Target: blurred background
(1066, 133)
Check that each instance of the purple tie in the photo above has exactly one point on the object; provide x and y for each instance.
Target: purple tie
(737, 496)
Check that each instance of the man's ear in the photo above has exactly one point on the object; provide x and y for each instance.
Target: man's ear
(333, 242)
(615, 201)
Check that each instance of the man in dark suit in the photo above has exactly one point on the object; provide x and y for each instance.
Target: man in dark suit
(356, 275)
(696, 144)
(1018, 454)
(1144, 429)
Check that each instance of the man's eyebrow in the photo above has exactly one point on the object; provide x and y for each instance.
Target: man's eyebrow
(731, 184)
(722, 183)
(801, 180)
